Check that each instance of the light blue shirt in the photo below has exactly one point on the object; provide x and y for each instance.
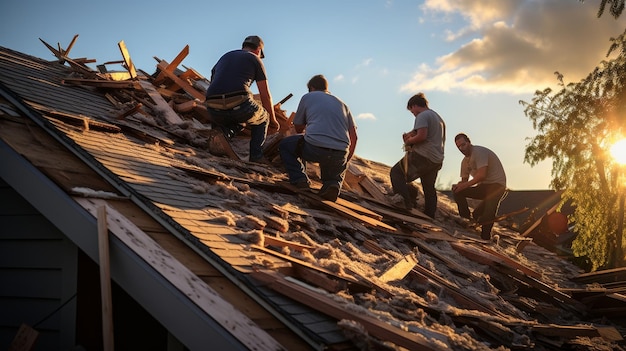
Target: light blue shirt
(327, 120)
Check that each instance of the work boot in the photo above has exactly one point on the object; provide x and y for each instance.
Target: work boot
(262, 160)
(330, 193)
(303, 185)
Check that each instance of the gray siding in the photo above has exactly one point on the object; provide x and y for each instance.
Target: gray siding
(38, 269)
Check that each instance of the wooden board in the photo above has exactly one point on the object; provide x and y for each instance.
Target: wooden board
(170, 115)
(101, 83)
(344, 208)
(171, 67)
(24, 339)
(399, 270)
(163, 65)
(275, 241)
(127, 60)
(372, 188)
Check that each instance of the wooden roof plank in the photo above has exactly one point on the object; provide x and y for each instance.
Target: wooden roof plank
(127, 60)
(170, 115)
(452, 264)
(345, 208)
(171, 67)
(302, 263)
(179, 82)
(399, 270)
(102, 83)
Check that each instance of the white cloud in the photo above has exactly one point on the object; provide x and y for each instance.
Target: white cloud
(339, 78)
(514, 46)
(366, 115)
(476, 13)
(366, 62)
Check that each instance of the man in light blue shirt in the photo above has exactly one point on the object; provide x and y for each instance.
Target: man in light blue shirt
(327, 136)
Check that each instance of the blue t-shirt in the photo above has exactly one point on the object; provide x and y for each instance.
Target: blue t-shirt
(235, 71)
(327, 120)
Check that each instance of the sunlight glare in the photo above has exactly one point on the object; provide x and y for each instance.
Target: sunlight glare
(618, 151)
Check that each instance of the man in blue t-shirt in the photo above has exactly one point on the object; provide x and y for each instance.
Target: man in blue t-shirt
(230, 101)
(329, 139)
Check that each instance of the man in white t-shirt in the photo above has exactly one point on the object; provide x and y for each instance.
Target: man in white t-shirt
(488, 183)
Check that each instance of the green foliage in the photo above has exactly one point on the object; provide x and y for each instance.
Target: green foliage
(576, 127)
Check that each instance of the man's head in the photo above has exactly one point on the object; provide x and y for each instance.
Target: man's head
(463, 143)
(254, 43)
(417, 103)
(318, 83)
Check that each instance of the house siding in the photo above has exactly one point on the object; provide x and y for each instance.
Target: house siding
(38, 270)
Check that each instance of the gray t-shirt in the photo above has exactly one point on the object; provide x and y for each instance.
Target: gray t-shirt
(327, 120)
(432, 148)
(481, 157)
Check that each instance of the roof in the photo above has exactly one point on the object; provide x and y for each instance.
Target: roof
(217, 228)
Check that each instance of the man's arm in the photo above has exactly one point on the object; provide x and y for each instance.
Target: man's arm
(299, 128)
(415, 136)
(353, 139)
(268, 104)
(478, 177)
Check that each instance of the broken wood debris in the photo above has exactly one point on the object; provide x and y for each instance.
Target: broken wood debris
(374, 326)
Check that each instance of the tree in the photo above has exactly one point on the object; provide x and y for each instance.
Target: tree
(616, 7)
(576, 127)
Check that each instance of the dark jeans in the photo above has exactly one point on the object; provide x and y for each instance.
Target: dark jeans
(294, 152)
(232, 121)
(485, 212)
(422, 168)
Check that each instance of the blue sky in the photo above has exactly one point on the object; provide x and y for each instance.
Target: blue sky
(474, 60)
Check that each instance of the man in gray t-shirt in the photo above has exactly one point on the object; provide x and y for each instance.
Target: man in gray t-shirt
(327, 136)
(424, 146)
(488, 183)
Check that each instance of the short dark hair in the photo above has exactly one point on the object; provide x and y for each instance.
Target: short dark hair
(462, 135)
(317, 82)
(418, 99)
(254, 42)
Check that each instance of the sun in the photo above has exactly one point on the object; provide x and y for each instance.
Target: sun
(618, 151)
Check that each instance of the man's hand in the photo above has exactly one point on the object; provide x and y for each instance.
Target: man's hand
(274, 127)
(460, 186)
(409, 135)
(456, 187)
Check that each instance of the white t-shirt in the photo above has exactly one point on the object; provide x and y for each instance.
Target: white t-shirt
(481, 157)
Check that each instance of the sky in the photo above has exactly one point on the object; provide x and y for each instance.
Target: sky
(474, 60)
